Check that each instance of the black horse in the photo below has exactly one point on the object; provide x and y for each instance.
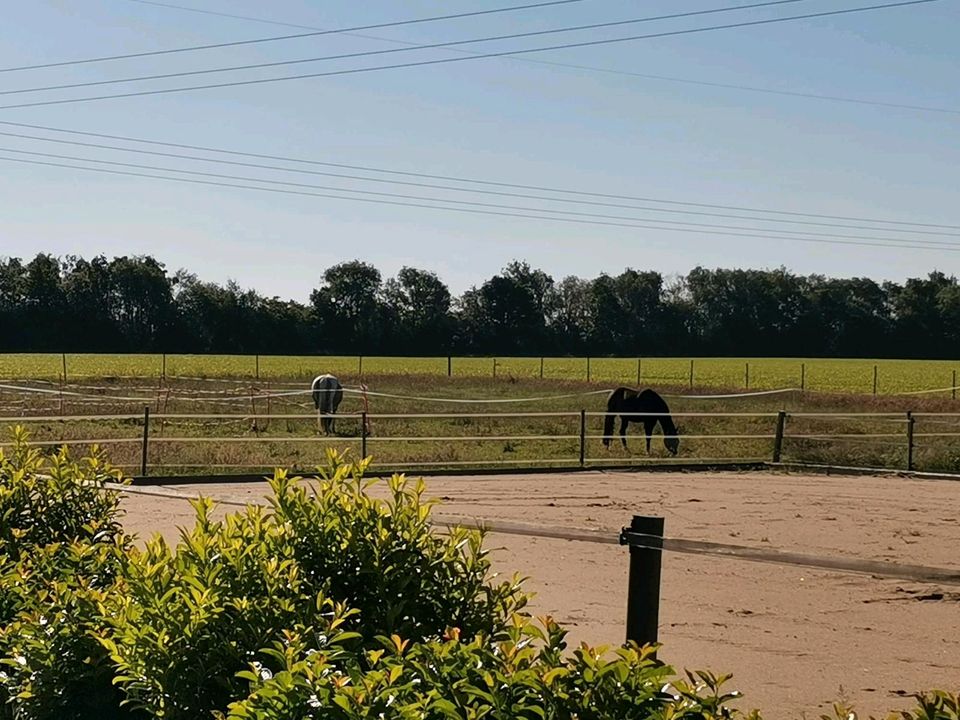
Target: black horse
(646, 407)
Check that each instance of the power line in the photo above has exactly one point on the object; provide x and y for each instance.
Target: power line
(878, 242)
(470, 203)
(486, 183)
(588, 68)
(414, 48)
(450, 188)
(440, 61)
(315, 33)
(750, 88)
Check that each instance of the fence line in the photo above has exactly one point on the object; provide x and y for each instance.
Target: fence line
(776, 435)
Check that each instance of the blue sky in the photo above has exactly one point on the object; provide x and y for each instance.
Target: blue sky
(495, 119)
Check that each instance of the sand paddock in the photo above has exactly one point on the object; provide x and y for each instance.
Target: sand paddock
(795, 639)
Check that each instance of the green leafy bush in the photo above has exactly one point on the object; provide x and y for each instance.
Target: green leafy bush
(327, 559)
(525, 675)
(62, 549)
(50, 499)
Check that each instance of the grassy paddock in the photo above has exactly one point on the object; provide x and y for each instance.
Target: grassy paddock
(252, 441)
(819, 375)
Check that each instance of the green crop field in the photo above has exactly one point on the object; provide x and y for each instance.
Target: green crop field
(822, 375)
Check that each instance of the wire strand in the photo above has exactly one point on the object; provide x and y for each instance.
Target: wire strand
(475, 181)
(576, 66)
(450, 188)
(914, 245)
(441, 61)
(279, 38)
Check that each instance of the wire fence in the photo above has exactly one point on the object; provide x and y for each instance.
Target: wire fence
(166, 443)
(882, 377)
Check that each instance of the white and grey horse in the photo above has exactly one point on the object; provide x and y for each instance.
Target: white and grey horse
(327, 394)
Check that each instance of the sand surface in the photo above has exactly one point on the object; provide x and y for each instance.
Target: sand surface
(794, 639)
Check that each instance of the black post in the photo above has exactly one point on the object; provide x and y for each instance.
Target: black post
(691, 374)
(803, 377)
(643, 584)
(638, 372)
(778, 439)
(360, 365)
(163, 367)
(588, 369)
(953, 385)
(449, 366)
(146, 439)
(583, 437)
(541, 368)
(874, 379)
(363, 434)
(256, 371)
(910, 422)
(494, 367)
(63, 358)
(746, 376)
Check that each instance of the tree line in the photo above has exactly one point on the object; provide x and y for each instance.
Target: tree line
(133, 304)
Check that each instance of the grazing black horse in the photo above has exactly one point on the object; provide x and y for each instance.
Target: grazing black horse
(646, 407)
(327, 395)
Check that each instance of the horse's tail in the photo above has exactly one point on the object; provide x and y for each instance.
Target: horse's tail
(614, 401)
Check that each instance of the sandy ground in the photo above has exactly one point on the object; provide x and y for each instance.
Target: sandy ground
(795, 639)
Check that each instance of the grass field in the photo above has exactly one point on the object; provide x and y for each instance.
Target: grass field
(818, 375)
(246, 439)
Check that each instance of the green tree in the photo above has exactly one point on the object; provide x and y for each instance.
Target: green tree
(420, 303)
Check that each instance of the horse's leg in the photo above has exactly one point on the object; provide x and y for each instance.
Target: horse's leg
(624, 421)
(648, 426)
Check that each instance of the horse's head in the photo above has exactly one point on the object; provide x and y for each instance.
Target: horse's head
(672, 443)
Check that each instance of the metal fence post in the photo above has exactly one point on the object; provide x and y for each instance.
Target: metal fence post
(691, 374)
(643, 584)
(363, 435)
(803, 377)
(910, 422)
(746, 376)
(163, 367)
(588, 369)
(494, 367)
(874, 379)
(778, 439)
(360, 365)
(63, 358)
(541, 368)
(583, 436)
(953, 385)
(638, 372)
(449, 366)
(256, 370)
(146, 439)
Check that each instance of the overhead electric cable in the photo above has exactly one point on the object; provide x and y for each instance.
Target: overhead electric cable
(297, 36)
(439, 61)
(476, 181)
(414, 48)
(450, 188)
(760, 234)
(588, 68)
